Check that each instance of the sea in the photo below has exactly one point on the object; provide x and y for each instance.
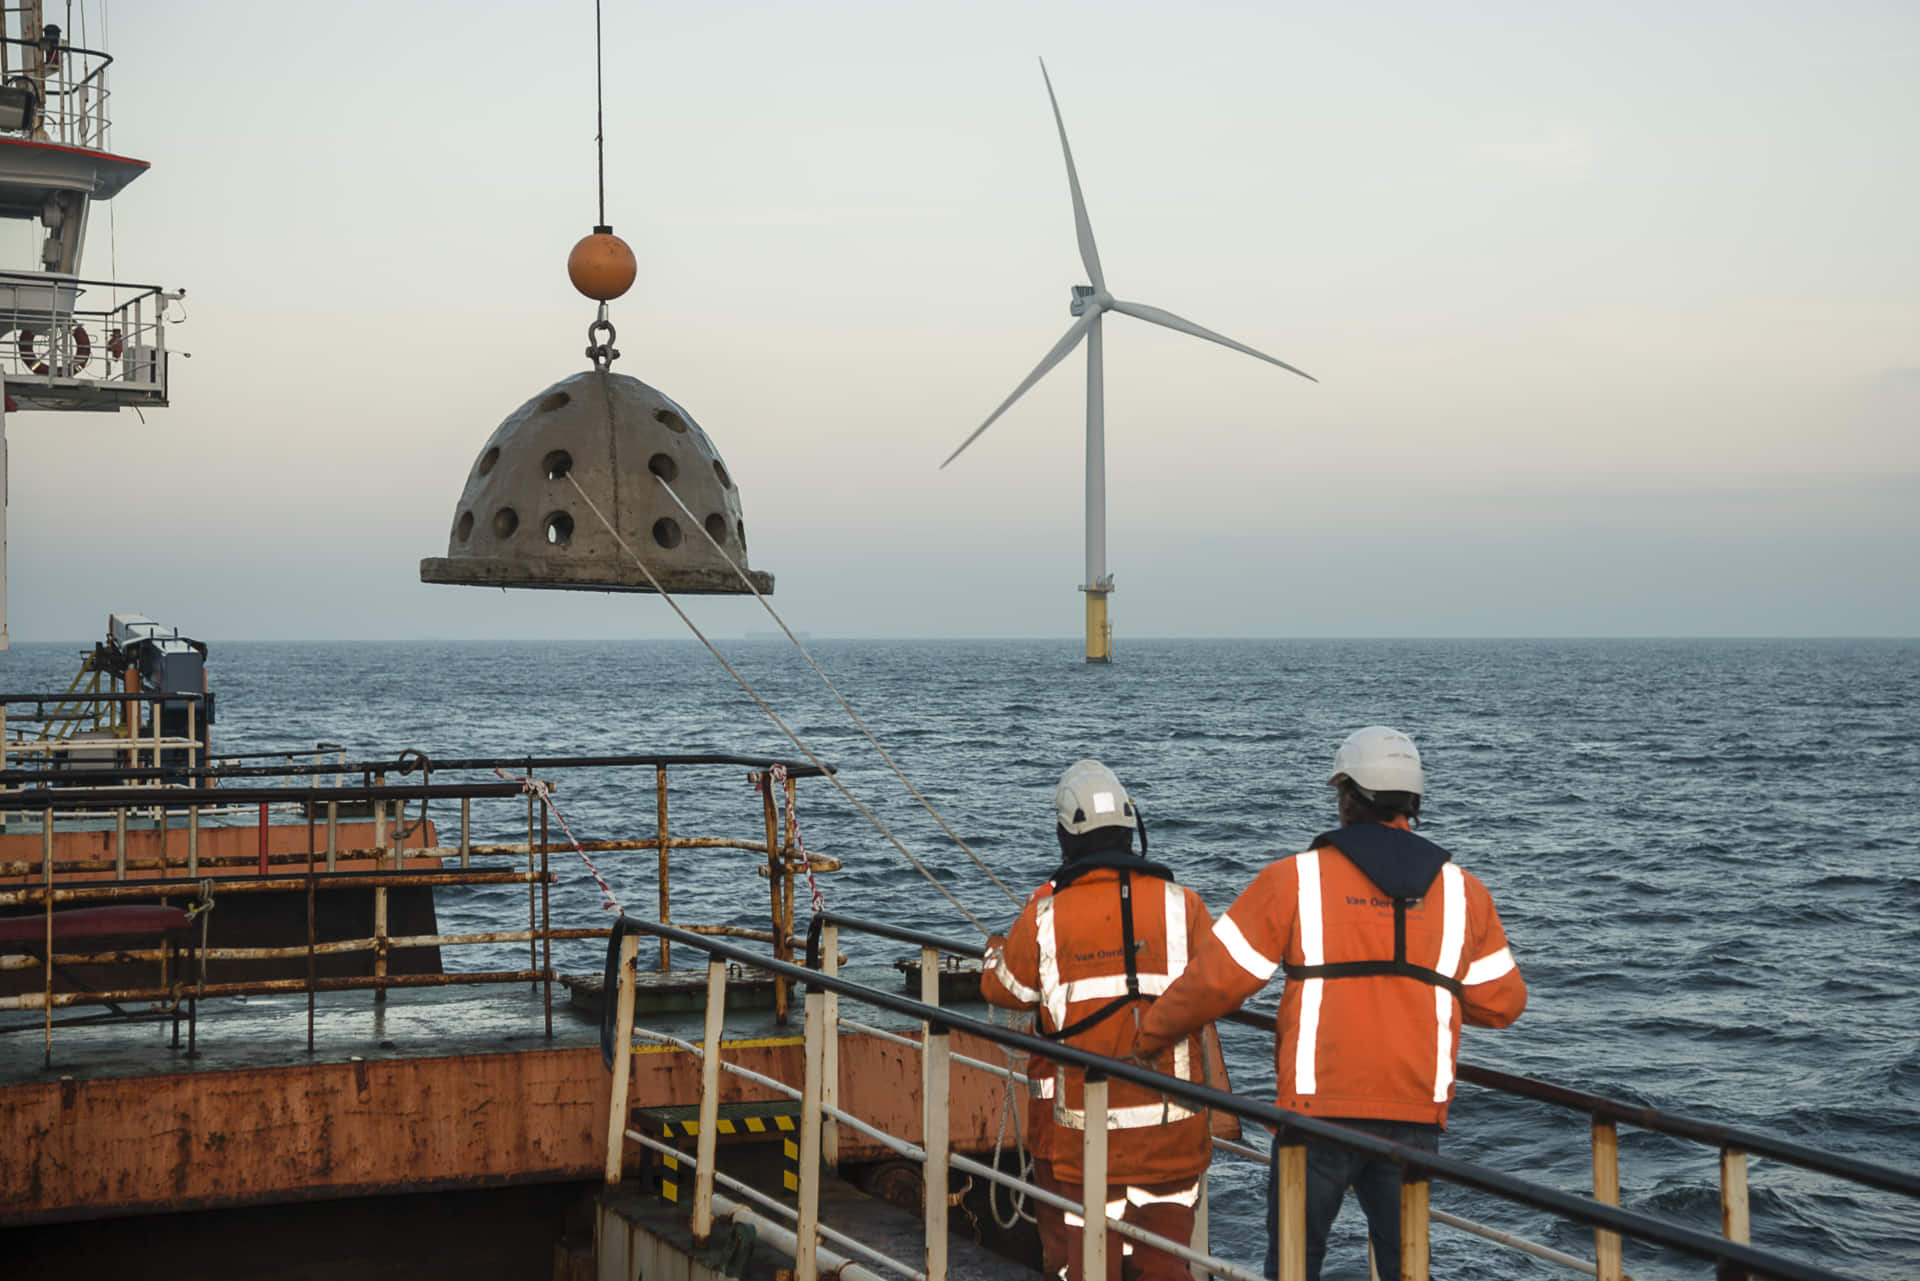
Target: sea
(1704, 852)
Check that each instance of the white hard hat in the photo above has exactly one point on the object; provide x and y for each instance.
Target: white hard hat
(1089, 796)
(1379, 759)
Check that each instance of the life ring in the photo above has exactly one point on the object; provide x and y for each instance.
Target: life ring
(115, 346)
(27, 356)
(82, 350)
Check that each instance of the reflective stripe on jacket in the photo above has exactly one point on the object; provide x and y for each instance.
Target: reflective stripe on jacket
(1064, 958)
(1375, 1045)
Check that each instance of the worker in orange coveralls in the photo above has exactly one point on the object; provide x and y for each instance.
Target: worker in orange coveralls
(1388, 947)
(1106, 933)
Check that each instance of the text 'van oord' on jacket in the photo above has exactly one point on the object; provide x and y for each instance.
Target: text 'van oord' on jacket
(1065, 958)
(1388, 948)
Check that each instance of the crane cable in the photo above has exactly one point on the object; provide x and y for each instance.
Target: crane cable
(771, 714)
(600, 150)
(853, 715)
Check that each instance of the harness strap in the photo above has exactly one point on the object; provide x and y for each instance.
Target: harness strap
(1398, 967)
(1132, 993)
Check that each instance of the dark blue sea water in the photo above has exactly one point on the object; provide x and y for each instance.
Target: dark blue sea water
(1704, 851)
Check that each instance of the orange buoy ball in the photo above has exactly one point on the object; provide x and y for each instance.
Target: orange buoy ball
(601, 266)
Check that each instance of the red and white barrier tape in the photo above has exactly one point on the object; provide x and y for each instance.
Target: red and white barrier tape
(534, 787)
(758, 780)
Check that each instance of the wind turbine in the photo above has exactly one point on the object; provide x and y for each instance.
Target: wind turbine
(1089, 303)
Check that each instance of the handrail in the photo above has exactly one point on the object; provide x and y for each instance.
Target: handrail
(795, 769)
(1711, 1133)
(1293, 1127)
(105, 57)
(93, 798)
(46, 277)
(898, 933)
(108, 696)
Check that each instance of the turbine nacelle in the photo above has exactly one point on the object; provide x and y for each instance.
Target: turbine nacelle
(1086, 297)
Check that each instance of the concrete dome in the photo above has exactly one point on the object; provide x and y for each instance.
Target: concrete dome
(521, 524)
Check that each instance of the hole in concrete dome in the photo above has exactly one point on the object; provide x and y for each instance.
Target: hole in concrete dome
(559, 529)
(720, 470)
(740, 527)
(673, 421)
(488, 459)
(505, 521)
(464, 526)
(557, 464)
(717, 527)
(663, 466)
(552, 401)
(666, 532)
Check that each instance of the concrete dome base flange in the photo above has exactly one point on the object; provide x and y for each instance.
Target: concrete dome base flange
(476, 571)
(520, 522)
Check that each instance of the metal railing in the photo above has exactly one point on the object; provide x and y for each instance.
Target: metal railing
(71, 83)
(49, 340)
(820, 1113)
(98, 732)
(49, 883)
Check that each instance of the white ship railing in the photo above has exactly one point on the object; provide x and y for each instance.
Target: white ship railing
(52, 336)
(73, 89)
(821, 1116)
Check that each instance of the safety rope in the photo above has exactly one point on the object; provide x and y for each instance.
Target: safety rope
(767, 605)
(772, 715)
(535, 787)
(1023, 1160)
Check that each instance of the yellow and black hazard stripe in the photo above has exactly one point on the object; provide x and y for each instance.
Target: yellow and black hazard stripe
(750, 1125)
(729, 1126)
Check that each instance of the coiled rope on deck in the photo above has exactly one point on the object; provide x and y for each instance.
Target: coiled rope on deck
(772, 715)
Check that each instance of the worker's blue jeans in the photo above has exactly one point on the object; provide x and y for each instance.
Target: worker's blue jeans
(1331, 1170)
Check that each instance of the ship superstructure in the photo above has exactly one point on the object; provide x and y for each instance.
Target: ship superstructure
(67, 343)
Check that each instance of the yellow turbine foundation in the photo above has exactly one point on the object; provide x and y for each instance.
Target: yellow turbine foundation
(1099, 630)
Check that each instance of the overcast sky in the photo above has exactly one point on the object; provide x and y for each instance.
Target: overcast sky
(1615, 311)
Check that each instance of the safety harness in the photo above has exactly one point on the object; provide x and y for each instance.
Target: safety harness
(1126, 862)
(1399, 966)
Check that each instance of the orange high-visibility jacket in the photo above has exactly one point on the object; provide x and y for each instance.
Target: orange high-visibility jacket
(1064, 958)
(1379, 980)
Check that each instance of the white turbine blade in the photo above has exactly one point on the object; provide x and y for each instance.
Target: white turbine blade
(1059, 353)
(1089, 256)
(1153, 315)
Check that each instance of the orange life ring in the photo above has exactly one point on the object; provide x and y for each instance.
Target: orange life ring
(27, 357)
(82, 350)
(114, 345)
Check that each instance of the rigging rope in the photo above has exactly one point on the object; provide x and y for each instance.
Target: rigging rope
(535, 787)
(853, 715)
(772, 715)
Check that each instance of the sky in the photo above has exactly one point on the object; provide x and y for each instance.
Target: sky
(1615, 312)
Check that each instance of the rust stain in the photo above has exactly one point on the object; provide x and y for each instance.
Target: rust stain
(170, 1142)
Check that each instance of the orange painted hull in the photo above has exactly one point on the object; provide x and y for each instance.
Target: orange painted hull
(80, 1149)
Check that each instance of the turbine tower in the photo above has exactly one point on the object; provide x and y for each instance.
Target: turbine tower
(1089, 303)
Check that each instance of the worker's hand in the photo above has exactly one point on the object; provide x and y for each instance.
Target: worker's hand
(1146, 1048)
